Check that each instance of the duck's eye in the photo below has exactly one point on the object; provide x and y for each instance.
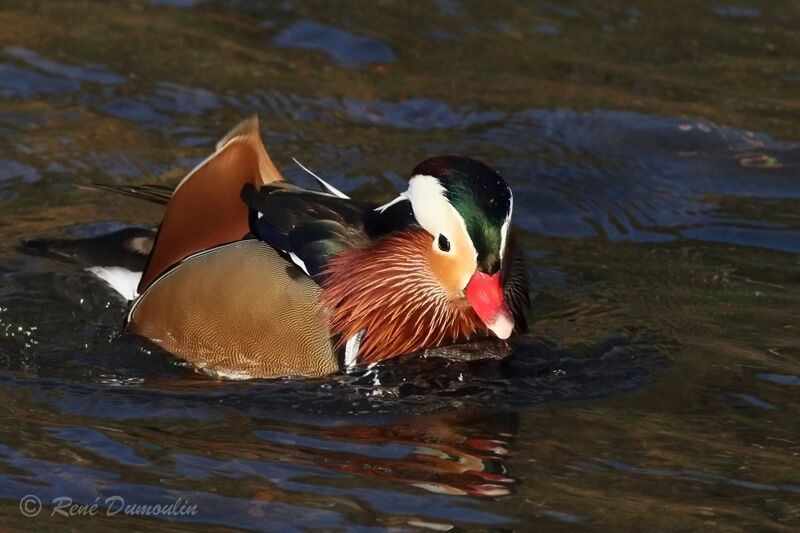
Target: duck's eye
(444, 244)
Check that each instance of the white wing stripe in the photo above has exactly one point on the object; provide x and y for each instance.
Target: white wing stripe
(330, 188)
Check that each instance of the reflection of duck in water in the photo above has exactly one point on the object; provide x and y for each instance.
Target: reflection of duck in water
(445, 459)
(444, 454)
(249, 276)
(455, 455)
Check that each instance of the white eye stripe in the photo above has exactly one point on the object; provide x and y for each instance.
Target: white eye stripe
(434, 212)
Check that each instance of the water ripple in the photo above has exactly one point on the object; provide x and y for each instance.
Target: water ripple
(90, 72)
(17, 82)
(346, 49)
(628, 176)
(417, 113)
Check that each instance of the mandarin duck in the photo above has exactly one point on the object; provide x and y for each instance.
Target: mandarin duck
(249, 276)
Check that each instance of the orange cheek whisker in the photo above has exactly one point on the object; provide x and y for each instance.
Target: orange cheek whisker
(389, 290)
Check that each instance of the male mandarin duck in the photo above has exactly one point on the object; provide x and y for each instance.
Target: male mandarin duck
(249, 276)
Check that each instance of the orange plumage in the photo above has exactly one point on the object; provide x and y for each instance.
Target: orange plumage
(389, 290)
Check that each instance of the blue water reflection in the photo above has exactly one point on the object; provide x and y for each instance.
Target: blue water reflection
(345, 48)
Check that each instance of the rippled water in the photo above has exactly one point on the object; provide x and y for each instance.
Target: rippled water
(653, 156)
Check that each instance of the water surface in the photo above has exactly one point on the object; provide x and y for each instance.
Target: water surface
(654, 153)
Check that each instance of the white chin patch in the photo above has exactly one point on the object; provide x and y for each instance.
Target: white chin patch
(502, 326)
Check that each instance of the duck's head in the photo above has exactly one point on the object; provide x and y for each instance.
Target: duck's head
(466, 208)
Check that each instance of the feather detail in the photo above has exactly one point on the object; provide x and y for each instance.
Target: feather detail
(389, 291)
(327, 186)
(158, 194)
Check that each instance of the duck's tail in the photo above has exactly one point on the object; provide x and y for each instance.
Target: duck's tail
(203, 211)
(118, 257)
(158, 194)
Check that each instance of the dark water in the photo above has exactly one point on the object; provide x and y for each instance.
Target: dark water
(651, 148)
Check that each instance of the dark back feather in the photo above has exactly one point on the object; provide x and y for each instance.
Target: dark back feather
(317, 226)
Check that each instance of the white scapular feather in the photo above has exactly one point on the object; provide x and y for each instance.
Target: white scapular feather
(330, 188)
